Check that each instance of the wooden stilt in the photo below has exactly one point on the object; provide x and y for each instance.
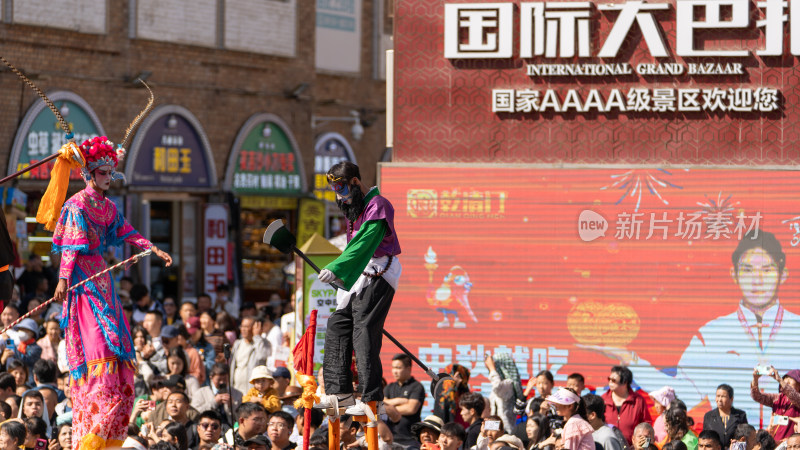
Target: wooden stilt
(333, 433)
(370, 428)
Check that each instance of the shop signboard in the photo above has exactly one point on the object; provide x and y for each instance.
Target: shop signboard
(311, 219)
(265, 159)
(575, 269)
(171, 150)
(318, 295)
(689, 81)
(330, 149)
(40, 134)
(215, 246)
(338, 35)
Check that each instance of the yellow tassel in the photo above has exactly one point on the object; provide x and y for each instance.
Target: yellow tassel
(92, 441)
(309, 396)
(56, 193)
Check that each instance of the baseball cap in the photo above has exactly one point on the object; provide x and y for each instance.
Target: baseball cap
(563, 397)
(28, 324)
(282, 372)
(192, 324)
(169, 332)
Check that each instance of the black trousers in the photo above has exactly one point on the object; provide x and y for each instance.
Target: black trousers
(359, 327)
(6, 288)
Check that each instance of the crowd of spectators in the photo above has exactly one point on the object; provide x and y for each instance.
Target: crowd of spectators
(208, 378)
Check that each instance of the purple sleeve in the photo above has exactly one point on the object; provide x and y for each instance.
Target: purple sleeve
(380, 208)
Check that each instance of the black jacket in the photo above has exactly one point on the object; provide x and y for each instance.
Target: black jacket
(472, 432)
(713, 421)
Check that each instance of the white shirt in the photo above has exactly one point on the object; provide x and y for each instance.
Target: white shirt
(241, 377)
(274, 337)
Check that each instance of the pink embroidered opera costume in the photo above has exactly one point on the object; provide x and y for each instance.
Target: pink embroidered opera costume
(99, 345)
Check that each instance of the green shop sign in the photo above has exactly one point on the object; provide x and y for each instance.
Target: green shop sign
(265, 159)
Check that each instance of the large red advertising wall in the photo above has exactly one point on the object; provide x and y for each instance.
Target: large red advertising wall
(518, 254)
(443, 106)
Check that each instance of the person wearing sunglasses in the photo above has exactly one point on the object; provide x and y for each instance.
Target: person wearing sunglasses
(624, 408)
(366, 274)
(209, 428)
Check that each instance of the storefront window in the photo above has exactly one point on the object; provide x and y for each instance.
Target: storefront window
(262, 264)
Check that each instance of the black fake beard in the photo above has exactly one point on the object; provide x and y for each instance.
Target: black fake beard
(355, 207)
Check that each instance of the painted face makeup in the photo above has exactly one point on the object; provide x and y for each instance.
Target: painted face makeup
(341, 187)
(102, 177)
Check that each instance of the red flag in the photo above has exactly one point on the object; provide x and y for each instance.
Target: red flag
(303, 352)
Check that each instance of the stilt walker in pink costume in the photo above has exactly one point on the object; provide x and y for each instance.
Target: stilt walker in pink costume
(100, 352)
(99, 345)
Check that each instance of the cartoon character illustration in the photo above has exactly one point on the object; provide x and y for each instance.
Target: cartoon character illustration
(455, 286)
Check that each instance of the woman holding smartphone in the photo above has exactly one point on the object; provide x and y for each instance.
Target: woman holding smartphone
(785, 403)
(577, 432)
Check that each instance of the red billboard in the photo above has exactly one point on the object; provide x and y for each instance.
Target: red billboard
(575, 269)
(620, 81)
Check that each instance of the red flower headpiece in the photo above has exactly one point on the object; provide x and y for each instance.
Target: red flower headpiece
(99, 151)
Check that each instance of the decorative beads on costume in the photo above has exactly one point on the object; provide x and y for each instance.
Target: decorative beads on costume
(378, 274)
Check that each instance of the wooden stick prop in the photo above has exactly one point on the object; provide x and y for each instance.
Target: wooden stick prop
(133, 260)
(29, 168)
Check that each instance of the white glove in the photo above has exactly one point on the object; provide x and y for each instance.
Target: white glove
(326, 276)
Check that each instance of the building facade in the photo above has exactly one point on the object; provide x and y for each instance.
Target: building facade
(240, 89)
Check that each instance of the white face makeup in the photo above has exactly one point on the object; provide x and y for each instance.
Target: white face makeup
(101, 177)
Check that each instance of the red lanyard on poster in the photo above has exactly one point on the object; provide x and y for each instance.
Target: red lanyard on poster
(775, 327)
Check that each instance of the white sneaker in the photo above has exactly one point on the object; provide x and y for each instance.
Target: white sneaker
(328, 402)
(361, 408)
